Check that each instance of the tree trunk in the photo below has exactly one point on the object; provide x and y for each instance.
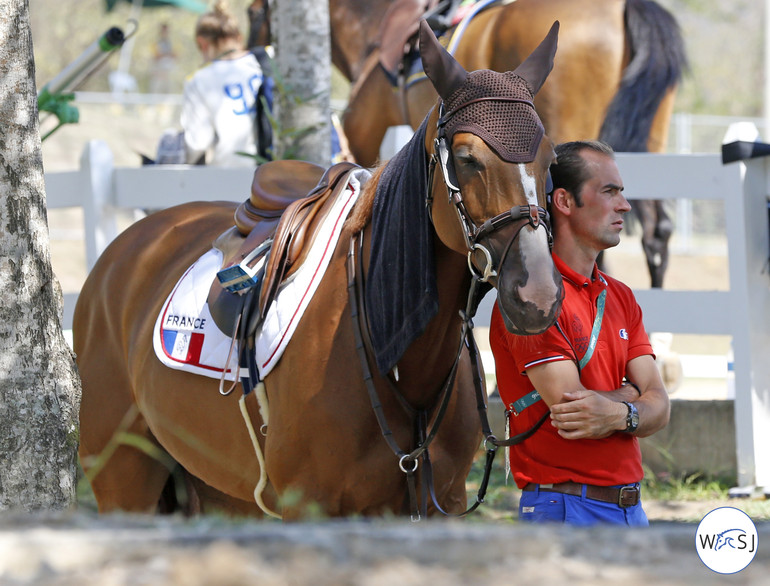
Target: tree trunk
(39, 386)
(303, 59)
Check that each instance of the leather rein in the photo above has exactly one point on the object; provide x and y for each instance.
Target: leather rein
(408, 462)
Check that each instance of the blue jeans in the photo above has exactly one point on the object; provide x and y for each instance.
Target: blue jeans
(541, 507)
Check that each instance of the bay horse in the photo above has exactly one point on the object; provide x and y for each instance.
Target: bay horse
(615, 79)
(461, 204)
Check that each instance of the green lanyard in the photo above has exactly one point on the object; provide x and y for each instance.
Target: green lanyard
(596, 329)
(531, 398)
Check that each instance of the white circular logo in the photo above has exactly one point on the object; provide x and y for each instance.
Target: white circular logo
(726, 540)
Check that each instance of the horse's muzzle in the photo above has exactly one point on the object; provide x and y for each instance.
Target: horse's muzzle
(526, 319)
(529, 288)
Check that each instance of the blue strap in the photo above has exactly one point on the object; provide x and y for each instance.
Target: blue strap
(531, 398)
(526, 401)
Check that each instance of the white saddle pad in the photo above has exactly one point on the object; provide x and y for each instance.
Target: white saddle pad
(185, 336)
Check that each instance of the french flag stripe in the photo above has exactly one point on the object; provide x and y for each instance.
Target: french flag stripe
(194, 350)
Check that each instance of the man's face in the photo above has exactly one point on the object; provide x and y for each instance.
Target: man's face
(599, 220)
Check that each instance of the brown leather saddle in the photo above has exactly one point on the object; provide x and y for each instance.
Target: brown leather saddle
(398, 31)
(273, 231)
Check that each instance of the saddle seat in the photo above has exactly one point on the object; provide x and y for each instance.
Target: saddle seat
(288, 202)
(275, 186)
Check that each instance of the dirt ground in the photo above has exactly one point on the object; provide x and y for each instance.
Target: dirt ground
(132, 551)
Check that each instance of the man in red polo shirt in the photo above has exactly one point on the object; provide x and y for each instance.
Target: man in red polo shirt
(594, 369)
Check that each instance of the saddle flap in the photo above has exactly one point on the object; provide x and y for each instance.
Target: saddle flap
(295, 230)
(225, 305)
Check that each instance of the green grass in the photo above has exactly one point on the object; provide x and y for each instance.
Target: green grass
(692, 487)
(501, 500)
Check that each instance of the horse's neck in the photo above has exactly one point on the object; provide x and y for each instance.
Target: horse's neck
(427, 362)
(354, 31)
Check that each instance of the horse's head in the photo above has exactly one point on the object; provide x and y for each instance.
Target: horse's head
(494, 157)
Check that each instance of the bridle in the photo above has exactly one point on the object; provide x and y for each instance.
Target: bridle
(519, 216)
(473, 234)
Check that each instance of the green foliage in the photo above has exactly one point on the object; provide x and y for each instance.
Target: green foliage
(724, 42)
(309, 511)
(687, 487)
(669, 485)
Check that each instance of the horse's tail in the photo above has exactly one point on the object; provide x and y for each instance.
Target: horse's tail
(657, 63)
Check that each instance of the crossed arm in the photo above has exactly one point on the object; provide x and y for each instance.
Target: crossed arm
(578, 412)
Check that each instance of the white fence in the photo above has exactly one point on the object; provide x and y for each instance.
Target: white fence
(743, 312)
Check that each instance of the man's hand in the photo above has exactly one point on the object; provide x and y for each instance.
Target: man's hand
(588, 414)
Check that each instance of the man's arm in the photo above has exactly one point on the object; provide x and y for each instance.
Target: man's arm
(653, 404)
(578, 412)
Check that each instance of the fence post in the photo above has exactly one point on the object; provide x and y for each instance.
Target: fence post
(750, 285)
(97, 165)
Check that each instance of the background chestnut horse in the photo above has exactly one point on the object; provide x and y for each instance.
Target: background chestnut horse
(615, 78)
(323, 444)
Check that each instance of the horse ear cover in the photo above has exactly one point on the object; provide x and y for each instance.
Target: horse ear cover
(470, 98)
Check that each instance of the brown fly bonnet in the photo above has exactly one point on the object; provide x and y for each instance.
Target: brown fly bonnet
(491, 105)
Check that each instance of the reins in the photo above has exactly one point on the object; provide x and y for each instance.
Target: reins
(408, 461)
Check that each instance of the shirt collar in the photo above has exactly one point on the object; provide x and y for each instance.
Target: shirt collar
(578, 280)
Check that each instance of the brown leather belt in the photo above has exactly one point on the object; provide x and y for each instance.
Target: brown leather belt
(625, 496)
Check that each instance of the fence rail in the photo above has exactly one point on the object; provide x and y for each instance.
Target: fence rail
(742, 312)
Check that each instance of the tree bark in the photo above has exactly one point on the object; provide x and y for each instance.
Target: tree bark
(303, 59)
(39, 385)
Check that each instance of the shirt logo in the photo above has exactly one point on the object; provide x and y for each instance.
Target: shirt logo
(623, 333)
(581, 341)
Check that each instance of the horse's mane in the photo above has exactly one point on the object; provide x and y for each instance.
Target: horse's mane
(361, 214)
(657, 63)
(401, 296)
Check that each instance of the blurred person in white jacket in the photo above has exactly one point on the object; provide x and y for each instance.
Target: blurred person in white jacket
(223, 110)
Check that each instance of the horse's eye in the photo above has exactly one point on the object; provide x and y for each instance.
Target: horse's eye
(464, 158)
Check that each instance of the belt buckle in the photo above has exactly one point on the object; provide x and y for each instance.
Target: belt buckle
(621, 493)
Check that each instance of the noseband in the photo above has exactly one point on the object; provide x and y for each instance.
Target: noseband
(520, 216)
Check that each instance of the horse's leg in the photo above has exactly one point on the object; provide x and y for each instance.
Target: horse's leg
(656, 231)
(659, 245)
(123, 477)
(655, 238)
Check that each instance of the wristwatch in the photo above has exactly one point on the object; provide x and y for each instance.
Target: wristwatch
(632, 419)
